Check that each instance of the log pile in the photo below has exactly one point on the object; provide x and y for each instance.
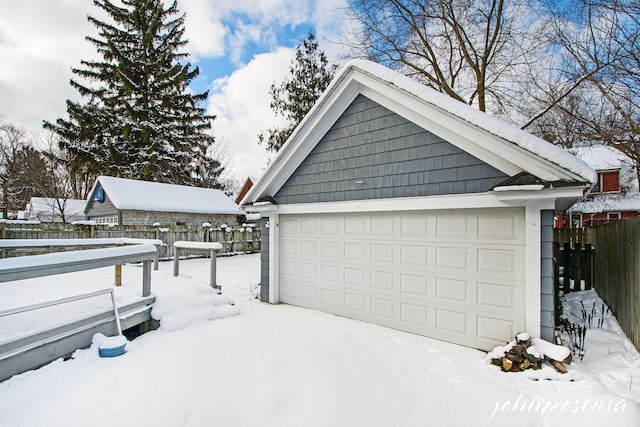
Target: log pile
(526, 353)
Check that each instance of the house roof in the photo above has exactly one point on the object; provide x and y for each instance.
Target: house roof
(129, 194)
(615, 202)
(605, 158)
(602, 157)
(52, 205)
(488, 138)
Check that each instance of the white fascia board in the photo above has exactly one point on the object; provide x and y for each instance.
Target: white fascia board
(505, 156)
(456, 201)
(550, 194)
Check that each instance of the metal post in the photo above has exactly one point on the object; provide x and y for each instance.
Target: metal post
(157, 258)
(212, 276)
(115, 311)
(176, 261)
(146, 278)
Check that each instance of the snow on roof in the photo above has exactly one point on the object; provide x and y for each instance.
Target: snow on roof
(49, 204)
(494, 125)
(608, 203)
(601, 157)
(132, 194)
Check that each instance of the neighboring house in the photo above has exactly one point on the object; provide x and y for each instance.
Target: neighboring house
(128, 202)
(245, 188)
(615, 196)
(394, 204)
(46, 209)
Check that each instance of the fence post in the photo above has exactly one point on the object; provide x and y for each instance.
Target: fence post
(566, 249)
(577, 267)
(588, 266)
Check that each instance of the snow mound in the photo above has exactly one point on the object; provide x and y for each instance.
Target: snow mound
(183, 318)
(181, 306)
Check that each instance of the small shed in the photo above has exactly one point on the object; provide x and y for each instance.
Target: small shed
(394, 204)
(119, 201)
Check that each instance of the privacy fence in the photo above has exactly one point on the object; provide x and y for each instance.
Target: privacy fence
(617, 271)
(606, 257)
(237, 240)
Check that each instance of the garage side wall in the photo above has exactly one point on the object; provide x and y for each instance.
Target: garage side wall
(547, 306)
(373, 153)
(264, 260)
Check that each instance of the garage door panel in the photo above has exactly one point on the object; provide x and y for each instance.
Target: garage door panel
(354, 302)
(382, 281)
(452, 258)
(331, 226)
(382, 252)
(330, 273)
(494, 329)
(356, 227)
(414, 314)
(503, 227)
(452, 290)
(411, 284)
(415, 226)
(452, 321)
(289, 247)
(330, 249)
(309, 226)
(354, 277)
(456, 276)
(452, 227)
(382, 226)
(382, 307)
(414, 255)
(309, 248)
(355, 251)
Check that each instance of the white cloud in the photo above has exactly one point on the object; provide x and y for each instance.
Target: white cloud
(37, 53)
(241, 104)
(203, 29)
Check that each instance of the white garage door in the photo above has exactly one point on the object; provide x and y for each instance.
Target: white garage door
(452, 275)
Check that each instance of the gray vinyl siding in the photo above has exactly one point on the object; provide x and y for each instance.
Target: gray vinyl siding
(373, 153)
(547, 306)
(264, 260)
(101, 209)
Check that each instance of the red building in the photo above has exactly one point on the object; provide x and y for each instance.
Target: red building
(613, 198)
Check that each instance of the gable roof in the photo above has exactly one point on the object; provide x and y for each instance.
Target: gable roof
(49, 204)
(130, 194)
(489, 139)
(602, 157)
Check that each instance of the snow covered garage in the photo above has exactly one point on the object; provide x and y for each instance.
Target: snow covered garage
(394, 204)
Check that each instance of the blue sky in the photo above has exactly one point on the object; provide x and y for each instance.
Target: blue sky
(241, 47)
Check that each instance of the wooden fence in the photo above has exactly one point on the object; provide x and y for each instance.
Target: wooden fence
(238, 240)
(617, 271)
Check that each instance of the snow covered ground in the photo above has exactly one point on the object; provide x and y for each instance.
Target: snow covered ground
(278, 365)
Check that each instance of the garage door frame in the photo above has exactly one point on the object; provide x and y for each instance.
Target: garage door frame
(532, 203)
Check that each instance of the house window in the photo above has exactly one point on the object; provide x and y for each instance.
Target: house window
(613, 215)
(576, 221)
(110, 220)
(608, 182)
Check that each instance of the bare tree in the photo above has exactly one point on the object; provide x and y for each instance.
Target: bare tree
(472, 50)
(21, 168)
(600, 41)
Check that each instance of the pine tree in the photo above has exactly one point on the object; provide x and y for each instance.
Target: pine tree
(139, 121)
(309, 76)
